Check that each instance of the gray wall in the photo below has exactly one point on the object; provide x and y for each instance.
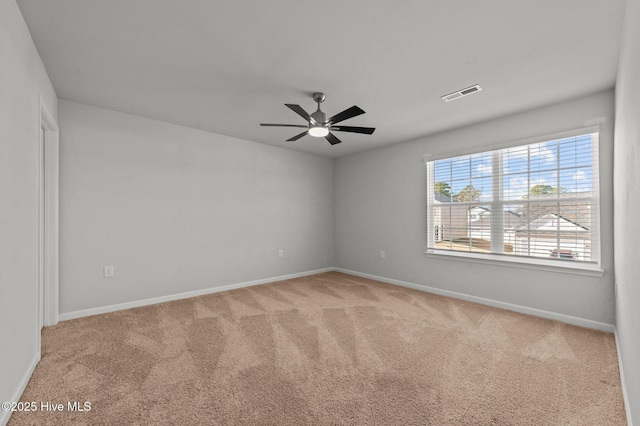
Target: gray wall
(627, 205)
(176, 209)
(23, 80)
(380, 205)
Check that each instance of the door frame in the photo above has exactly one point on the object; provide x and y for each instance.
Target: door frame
(48, 207)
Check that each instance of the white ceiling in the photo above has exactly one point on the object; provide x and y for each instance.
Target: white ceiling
(226, 66)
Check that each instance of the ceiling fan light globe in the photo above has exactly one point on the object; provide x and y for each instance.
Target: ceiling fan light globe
(318, 131)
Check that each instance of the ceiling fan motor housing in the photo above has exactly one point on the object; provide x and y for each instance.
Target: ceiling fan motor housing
(319, 117)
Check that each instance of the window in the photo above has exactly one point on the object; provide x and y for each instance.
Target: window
(535, 201)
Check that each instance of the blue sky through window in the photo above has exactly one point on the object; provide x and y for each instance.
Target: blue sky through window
(564, 165)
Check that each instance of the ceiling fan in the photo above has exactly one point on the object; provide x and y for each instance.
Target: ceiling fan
(320, 126)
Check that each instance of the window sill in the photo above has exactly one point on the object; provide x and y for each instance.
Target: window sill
(527, 263)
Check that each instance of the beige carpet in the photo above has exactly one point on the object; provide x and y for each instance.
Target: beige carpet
(325, 349)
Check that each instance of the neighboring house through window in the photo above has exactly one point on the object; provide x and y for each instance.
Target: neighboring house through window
(538, 200)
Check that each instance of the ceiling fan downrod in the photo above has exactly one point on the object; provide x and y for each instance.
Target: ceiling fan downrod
(319, 117)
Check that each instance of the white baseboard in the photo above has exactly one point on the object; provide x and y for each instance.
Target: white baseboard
(622, 382)
(152, 301)
(22, 385)
(581, 322)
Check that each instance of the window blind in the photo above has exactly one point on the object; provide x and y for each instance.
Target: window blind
(538, 200)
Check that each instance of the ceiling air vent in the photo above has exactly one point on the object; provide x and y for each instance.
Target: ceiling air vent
(461, 93)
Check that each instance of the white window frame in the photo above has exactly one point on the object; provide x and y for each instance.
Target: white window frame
(497, 236)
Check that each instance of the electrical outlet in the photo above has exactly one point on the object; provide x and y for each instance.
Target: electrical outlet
(280, 253)
(383, 255)
(109, 271)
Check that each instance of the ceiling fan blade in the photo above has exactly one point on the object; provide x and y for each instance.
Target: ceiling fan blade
(346, 114)
(332, 139)
(283, 125)
(298, 110)
(352, 129)
(296, 137)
